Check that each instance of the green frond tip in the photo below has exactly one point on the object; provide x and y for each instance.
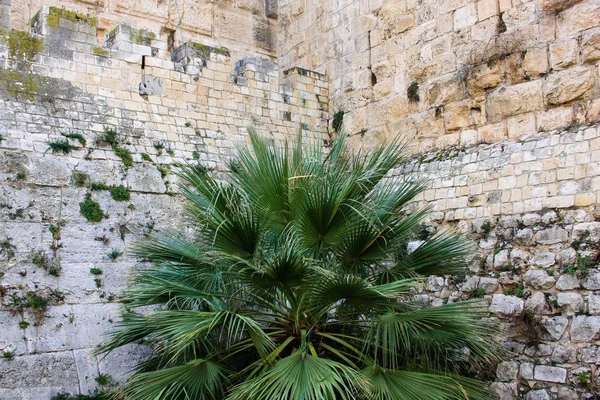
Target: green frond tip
(294, 279)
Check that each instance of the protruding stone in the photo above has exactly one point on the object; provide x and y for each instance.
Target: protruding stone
(526, 370)
(552, 235)
(539, 279)
(505, 391)
(568, 282)
(592, 280)
(507, 371)
(571, 303)
(567, 85)
(584, 329)
(555, 327)
(514, 100)
(507, 305)
(550, 374)
(564, 354)
(540, 394)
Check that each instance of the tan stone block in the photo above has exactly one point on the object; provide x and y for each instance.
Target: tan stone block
(570, 84)
(578, 18)
(584, 199)
(593, 111)
(492, 133)
(468, 137)
(458, 114)
(535, 62)
(554, 118)
(563, 53)
(444, 90)
(485, 76)
(504, 5)
(590, 46)
(395, 18)
(514, 100)
(490, 185)
(487, 8)
(565, 174)
(521, 125)
(448, 140)
(397, 108)
(559, 201)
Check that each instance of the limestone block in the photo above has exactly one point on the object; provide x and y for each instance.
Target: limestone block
(537, 303)
(566, 256)
(555, 327)
(526, 370)
(563, 53)
(434, 283)
(50, 170)
(492, 133)
(550, 374)
(594, 304)
(513, 100)
(121, 362)
(487, 8)
(539, 279)
(484, 77)
(571, 303)
(587, 231)
(590, 46)
(590, 355)
(592, 280)
(505, 391)
(570, 84)
(47, 370)
(465, 16)
(145, 178)
(540, 394)
(506, 305)
(578, 18)
(552, 235)
(584, 329)
(395, 19)
(12, 338)
(507, 371)
(459, 114)
(568, 282)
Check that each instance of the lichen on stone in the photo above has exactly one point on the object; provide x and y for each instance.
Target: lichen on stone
(16, 83)
(55, 14)
(205, 51)
(141, 36)
(22, 45)
(99, 51)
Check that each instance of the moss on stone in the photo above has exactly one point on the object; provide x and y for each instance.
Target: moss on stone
(22, 45)
(23, 83)
(91, 210)
(205, 50)
(99, 51)
(55, 14)
(141, 36)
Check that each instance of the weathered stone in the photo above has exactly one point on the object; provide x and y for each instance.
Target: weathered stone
(589, 231)
(590, 355)
(578, 18)
(568, 282)
(563, 54)
(537, 304)
(539, 279)
(552, 235)
(550, 374)
(592, 280)
(507, 371)
(584, 329)
(566, 256)
(570, 303)
(490, 285)
(524, 237)
(514, 100)
(146, 178)
(555, 327)
(506, 305)
(434, 283)
(590, 46)
(526, 370)
(51, 370)
(540, 394)
(505, 391)
(594, 304)
(568, 85)
(544, 258)
(564, 354)
(501, 259)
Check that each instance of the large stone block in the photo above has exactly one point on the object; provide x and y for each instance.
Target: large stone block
(513, 100)
(590, 46)
(568, 85)
(584, 329)
(550, 374)
(39, 370)
(539, 279)
(507, 305)
(578, 18)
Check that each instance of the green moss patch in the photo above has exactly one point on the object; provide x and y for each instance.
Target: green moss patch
(22, 45)
(205, 51)
(91, 210)
(55, 14)
(99, 51)
(21, 84)
(142, 36)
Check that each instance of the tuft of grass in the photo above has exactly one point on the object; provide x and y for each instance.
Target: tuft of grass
(76, 136)
(99, 186)
(124, 154)
(110, 137)
(519, 291)
(163, 169)
(131, 206)
(412, 92)
(55, 231)
(187, 124)
(61, 145)
(114, 254)
(170, 152)
(9, 355)
(338, 120)
(23, 324)
(477, 293)
(98, 282)
(146, 157)
(91, 210)
(104, 380)
(119, 193)
(195, 155)
(96, 271)
(50, 265)
(21, 176)
(1, 138)
(159, 146)
(7, 248)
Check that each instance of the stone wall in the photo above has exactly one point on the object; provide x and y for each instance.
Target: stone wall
(449, 72)
(532, 206)
(247, 26)
(89, 134)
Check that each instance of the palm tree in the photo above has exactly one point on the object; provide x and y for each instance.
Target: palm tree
(297, 284)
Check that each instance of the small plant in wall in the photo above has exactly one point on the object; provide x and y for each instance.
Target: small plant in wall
(412, 92)
(159, 146)
(91, 210)
(114, 254)
(111, 138)
(338, 120)
(7, 249)
(63, 146)
(76, 136)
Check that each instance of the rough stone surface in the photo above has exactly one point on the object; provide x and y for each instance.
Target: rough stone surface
(550, 374)
(506, 305)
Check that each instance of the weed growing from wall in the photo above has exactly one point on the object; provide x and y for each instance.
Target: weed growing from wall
(91, 210)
